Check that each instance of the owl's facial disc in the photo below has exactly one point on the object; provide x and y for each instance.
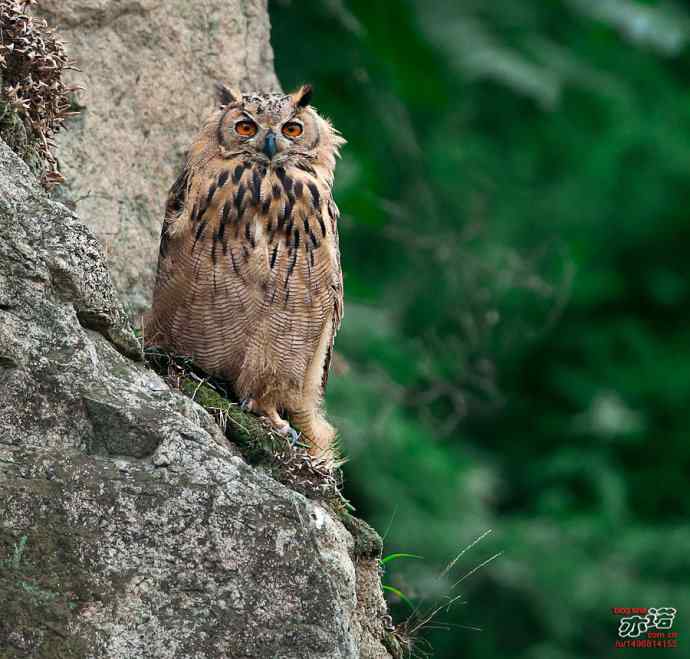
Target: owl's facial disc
(269, 127)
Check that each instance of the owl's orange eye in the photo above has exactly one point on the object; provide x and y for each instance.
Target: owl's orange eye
(292, 129)
(245, 128)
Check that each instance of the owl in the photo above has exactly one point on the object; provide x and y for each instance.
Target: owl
(249, 283)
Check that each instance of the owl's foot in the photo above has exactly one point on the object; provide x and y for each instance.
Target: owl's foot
(270, 413)
(288, 431)
(283, 427)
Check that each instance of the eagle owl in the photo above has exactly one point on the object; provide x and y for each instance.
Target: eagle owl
(249, 283)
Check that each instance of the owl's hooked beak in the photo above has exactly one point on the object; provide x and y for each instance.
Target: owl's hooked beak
(270, 146)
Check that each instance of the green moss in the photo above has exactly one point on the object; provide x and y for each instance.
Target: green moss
(257, 442)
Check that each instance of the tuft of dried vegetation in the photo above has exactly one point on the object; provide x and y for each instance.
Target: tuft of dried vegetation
(34, 100)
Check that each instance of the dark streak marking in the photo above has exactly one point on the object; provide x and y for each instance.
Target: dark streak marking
(313, 239)
(223, 178)
(287, 295)
(273, 256)
(311, 258)
(276, 191)
(316, 197)
(284, 179)
(178, 193)
(199, 231)
(245, 252)
(291, 267)
(213, 259)
(239, 196)
(225, 217)
(299, 188)
(266, 206)
(256, 186)
(287, 212)
(306, 168)
(322, 224)
(203, 207)
(196, 212)
(249, 235)
(237, 174)
(221, 232)
(209, 196)
(234, 264)
(305, 221)
(295, 240)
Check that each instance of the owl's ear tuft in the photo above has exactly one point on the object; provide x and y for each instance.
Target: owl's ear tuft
(302, 97)
(226, 95)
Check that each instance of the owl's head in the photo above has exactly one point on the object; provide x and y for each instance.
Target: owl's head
(274, 128)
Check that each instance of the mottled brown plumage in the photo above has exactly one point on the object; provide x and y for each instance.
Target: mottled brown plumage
(249, 282)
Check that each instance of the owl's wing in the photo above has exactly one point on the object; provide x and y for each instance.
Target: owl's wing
(338, 292)
(177, 197)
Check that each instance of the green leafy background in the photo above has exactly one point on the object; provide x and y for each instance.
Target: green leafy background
(515, 353)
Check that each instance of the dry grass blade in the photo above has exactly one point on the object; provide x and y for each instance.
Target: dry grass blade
(451, 565)
(408, 633)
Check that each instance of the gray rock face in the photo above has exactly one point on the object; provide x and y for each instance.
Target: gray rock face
(129, 525)
(147, 69)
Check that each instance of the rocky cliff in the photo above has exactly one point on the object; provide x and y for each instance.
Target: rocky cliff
(131, 524)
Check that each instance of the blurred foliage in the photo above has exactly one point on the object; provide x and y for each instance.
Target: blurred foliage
(515, 351)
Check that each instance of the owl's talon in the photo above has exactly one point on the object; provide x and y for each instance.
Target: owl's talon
(283, 428)
(294, 436)
(247, 405)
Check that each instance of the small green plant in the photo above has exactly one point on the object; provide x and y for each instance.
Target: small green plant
(15, 561)
(407, 634)
(391, 589)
